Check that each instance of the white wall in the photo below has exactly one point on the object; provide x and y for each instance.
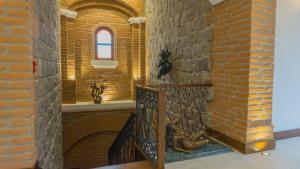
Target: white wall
(286, 99)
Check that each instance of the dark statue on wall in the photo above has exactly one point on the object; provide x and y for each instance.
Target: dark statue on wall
(164, 65)
(97, 92)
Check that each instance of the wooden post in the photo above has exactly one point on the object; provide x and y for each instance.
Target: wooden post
(161, 130)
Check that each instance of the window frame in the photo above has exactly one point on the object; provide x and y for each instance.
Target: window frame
(112, 43)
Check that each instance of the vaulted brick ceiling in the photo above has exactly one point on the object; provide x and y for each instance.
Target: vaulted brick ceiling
(137, 6)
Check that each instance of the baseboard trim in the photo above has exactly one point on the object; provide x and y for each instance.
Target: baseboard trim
(234, 144)
(281, 135)
(242, 147)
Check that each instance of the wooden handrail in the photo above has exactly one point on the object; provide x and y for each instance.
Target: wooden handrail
(179, 85)
(149, 87)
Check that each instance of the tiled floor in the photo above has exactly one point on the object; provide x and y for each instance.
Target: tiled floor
(286, 156)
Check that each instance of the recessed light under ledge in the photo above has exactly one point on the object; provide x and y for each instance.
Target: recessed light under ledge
(105, 64)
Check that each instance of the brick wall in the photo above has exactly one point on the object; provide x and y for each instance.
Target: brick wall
(90, 152)
(242, 74)
(138, 56)
(260, 126)
(78, 42)
(136, 5)
(89, 135)
(17, 116)
(69, 91)
(230, 74)
(119, 79)
(29, 103)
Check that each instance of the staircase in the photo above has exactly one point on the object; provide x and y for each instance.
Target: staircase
(145, 142)
(141, 142)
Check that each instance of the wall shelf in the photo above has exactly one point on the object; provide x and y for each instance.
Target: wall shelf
(90, 106)
(105, 64)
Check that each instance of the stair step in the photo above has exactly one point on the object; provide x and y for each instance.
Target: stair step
(136, 165)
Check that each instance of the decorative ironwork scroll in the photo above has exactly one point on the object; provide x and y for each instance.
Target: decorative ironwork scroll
(189, 104)
(187, 117)
(150, 138)
(186, 104)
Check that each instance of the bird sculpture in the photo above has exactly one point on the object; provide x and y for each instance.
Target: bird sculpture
(164, 65)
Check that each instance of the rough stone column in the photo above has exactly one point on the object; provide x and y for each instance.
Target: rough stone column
(47, 85)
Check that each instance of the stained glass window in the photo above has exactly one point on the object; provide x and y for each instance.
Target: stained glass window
(104, 44)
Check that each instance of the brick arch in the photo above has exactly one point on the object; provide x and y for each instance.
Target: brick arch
(136, 5)
(89, 126)
(82, 8)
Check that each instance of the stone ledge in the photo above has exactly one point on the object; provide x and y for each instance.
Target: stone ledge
(89, 106)
(68, 13)
(104, 64)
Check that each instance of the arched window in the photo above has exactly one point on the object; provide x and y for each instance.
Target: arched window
(104, 43)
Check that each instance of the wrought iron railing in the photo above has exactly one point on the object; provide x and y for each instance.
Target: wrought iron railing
(146, 131)
(123, 149)
(150, 124)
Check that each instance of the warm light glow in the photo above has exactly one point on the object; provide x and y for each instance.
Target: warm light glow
(260, 146)
(71, 77)
(71, 69)
(136, 76)
(106, 98)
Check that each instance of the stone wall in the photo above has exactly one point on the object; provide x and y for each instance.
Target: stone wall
(47, 85)
(180, 26)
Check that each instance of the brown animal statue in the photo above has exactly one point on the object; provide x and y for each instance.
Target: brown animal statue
(186, 143)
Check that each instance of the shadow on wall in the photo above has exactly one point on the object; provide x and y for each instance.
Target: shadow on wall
(87, 136)
(90, 152)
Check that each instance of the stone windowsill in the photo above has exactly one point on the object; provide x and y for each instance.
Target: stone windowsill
(105, 64)
(89, 106)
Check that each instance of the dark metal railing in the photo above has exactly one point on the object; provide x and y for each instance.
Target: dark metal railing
(150, 133)
(123, 149)
(145, 131)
